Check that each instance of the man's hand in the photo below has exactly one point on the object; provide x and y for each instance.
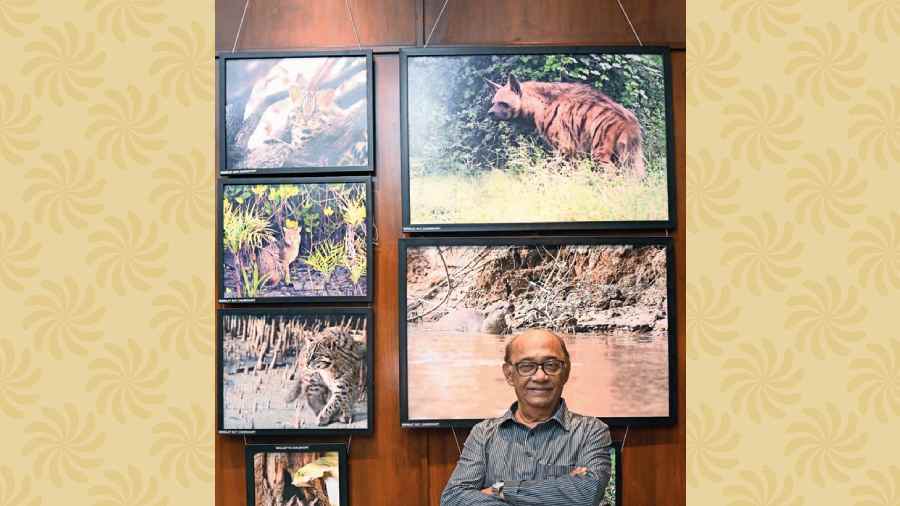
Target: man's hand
(578, 471)
(487, 491)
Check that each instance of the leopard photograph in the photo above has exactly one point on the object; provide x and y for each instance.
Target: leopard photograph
(284, 370)
(536, 138)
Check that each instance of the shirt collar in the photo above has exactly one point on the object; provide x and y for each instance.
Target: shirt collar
(562, 415)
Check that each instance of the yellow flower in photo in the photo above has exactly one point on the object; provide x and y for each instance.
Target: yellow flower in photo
(64, 192)
(763, 384)
(126, 381)
(711, 318)
(711, 443)
(185, 191)
(17, 254)
(883, 488)
(18, 126)
(64, 445)
(825, 64)
(127, 489)
(64, 64)
(762, 256)
(14, 13)
(826, 445)
(711, 64)
(762, 489)
(769, 16)
(127, 17)
(763, 127)
(184, 316)
(15, 492)
(882, 16)
(185, 64)
(127, 127)
(875, 380)
(876, 253)
(124, 254)
(825, 192)
(17, 379)
(825, 318)
(876, 126)
(184, 444)
(64, 316)
(713, 190)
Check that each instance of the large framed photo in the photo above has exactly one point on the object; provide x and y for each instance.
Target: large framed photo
(295, 113)
(552, 138)
(295, 239)
(462, 299)
(294, 371)
(297, 475)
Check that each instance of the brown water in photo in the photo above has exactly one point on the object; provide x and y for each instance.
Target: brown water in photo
(455, 375)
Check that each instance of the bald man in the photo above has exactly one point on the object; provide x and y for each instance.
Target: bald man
(538, 452)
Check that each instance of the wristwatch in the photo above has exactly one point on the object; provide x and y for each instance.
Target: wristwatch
(497, 489)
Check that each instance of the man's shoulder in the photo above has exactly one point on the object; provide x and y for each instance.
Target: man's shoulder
(587, 423)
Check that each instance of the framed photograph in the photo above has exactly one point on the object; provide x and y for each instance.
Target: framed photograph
(294, 371)
(462, 300)
(301, 475)
(295, 113)
(295, 239)
(531, 138)
(613, 494)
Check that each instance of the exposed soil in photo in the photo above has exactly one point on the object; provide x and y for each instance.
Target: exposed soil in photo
(305, 282)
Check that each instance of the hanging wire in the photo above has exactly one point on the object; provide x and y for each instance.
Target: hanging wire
(622, 7)
(349, 440)
(458, 449)
(245, 440)
(240, 26)
(626, 436)
(436, 21)
(353, 22)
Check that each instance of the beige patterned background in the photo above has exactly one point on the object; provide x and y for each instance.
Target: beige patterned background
(106, 138)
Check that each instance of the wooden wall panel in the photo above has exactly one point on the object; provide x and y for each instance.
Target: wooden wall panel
(396, 466)
(466, 22)
(297, 24)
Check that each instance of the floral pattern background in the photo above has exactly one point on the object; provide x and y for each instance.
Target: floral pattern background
(793, 252)
(793, 267)
(106, 245)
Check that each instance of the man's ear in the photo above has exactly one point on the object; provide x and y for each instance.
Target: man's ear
(514, 85)
(508, 372)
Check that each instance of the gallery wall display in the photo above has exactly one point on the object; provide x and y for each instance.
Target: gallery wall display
(462, 299)
(295, 113)
(295, 239)
(561, 138)
(301, 475)
(294, 371)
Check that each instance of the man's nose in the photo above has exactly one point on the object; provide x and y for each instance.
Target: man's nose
(540, 375)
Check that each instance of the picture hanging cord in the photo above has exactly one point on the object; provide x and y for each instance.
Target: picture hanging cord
(240, 26)
(626, 437)
(436, 21)
(458, 449)
(349, 440)
(629, 22)
(245, 440)
(353, 22)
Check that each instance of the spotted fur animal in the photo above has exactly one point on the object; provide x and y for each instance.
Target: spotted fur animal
(339, 361)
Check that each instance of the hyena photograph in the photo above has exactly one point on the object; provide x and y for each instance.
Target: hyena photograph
(297, 239)
(294, 476)
(466, 298)
(289, 370)
(513, 139)
(302, 112)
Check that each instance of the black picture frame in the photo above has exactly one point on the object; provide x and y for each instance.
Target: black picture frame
(222, 59)
(671, 305)
(335, 313)
(329, 299)
(251, 450)
(407, 226)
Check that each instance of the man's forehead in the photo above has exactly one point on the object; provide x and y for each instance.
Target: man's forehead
(536, 346)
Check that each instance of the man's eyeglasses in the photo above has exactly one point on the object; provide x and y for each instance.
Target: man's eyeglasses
(551, 367)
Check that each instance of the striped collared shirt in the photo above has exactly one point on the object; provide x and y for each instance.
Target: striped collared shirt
(534, 464)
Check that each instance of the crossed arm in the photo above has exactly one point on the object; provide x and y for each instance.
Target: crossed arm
(582, 487)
